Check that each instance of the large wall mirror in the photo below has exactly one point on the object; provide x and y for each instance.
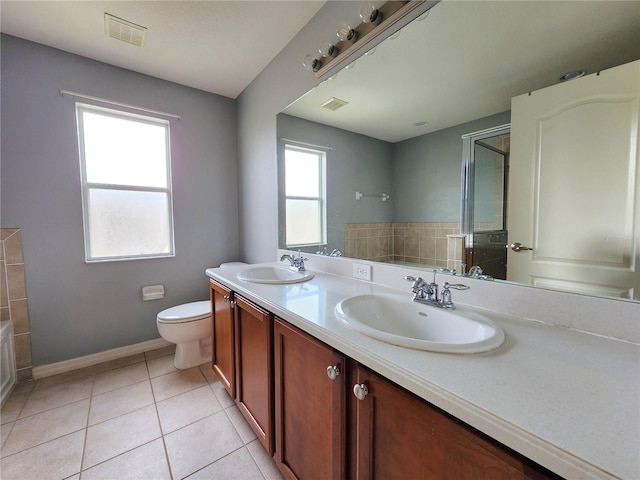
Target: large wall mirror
(390, 131)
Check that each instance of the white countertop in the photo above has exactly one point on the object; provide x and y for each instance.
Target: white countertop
(568, 400)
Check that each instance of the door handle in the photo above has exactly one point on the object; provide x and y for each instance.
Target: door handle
(518, 247)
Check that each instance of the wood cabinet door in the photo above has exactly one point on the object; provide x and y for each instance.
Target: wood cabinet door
(310, 406)
(222, 336)
(254, 368)
(398, 435)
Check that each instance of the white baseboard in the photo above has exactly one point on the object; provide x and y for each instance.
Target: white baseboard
(42, 371)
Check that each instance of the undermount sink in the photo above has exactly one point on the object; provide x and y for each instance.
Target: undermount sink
(274, 275)
(396, 319)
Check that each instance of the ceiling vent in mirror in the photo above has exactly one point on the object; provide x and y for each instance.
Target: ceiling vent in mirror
(123, 30)
(334, 104)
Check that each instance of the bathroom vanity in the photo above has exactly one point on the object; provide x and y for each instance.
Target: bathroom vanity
(329, 402)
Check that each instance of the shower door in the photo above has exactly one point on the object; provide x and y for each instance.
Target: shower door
(484, 194)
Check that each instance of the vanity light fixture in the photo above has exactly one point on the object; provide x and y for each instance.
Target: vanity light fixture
(326, 49)
(571, 75)
(346, 33)
(311, 63)
(376, 20)
(369, 13)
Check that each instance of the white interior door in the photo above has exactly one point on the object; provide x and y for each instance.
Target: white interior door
(573, 196)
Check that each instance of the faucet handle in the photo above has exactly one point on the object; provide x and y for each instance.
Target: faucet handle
(455, 286)
(446, 301)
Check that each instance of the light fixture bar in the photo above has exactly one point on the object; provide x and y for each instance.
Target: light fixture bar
(392, 13)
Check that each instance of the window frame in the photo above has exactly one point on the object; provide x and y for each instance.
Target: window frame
(87, 186)
(321, 199)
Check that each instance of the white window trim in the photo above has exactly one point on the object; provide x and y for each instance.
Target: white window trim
(322, 199)
(87, 186)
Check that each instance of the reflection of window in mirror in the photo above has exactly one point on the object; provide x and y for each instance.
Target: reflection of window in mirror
(305, 196)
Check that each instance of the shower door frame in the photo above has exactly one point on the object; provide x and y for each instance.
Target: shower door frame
(468, 180)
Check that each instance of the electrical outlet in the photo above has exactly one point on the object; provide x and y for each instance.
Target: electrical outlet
(362, 271)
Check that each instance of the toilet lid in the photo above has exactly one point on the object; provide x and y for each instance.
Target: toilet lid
(186, 312)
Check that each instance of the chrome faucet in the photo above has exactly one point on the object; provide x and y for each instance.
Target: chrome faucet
(296, 262)
(427, 293)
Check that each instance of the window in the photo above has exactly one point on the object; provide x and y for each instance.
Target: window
(126, 185)
(305, 196)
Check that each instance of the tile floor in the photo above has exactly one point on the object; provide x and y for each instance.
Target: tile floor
(136, 417)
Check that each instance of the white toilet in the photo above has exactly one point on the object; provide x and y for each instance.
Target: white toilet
(189, 327)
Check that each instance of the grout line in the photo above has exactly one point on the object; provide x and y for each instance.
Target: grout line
(86, 429)
(92, 394)
(162, 434)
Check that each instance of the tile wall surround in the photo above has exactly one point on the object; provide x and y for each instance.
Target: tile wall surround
(13, 299)
(601, 316)
(456, 252)
(423, 243)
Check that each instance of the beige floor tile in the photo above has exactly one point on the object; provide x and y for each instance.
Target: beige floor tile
(120, 377)
(238, 465)
(56, 396)
(121, 434)
(160, 352)
(12, 408)
(223, 396)
(181, 410)
(5, 430)
(78, 374)
(161, 366)
(57, 459)
(266, 464)
(200, 444)
(118, 363)
(148, 461)
(120, 401)
(23, 388)
(43, 427)
(242, 427)
(73, 477)
(177, 382)
(208, 373)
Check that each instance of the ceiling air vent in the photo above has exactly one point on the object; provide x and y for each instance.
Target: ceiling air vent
(125, 31)
(334, 104)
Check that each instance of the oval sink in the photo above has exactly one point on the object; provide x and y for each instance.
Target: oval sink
(273, 275)
(396, 319)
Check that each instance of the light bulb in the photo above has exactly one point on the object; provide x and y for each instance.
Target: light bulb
(346, 33)
(369, 13)
(326, 49)
(311, 63)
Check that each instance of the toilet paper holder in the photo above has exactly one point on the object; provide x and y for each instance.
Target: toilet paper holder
(152, 292)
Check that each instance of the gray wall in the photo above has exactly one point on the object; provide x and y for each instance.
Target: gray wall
(355, 162)
(278, 85)
(77, 308)
(427, 172)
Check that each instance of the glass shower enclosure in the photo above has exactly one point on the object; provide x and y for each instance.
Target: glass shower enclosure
(485, 174)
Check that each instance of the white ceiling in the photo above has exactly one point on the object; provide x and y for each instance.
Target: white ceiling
(464, 60)
(216, 46)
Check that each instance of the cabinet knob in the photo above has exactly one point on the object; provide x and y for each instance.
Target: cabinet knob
(226, 298)
(333, 371)
(360, 390)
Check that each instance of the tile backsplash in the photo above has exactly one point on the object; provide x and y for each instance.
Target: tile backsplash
(13, 299)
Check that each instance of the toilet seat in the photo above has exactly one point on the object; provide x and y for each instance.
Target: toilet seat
(188, 312)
